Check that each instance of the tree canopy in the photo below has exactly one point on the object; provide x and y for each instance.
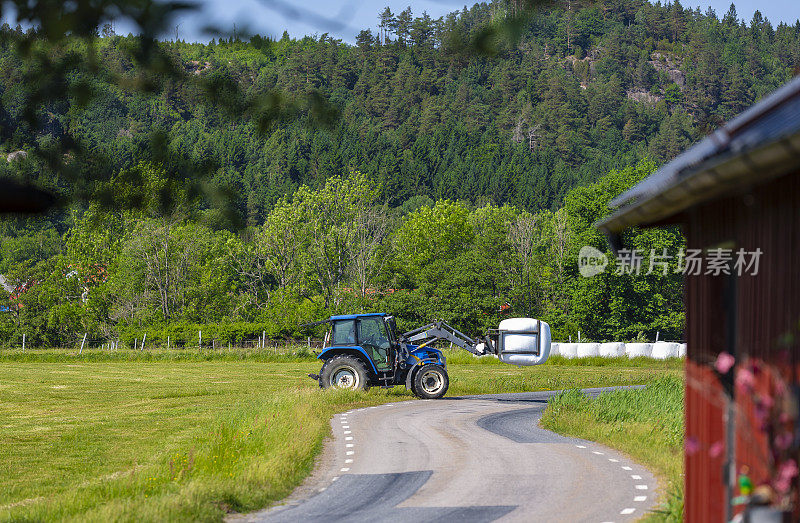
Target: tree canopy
(446, 183)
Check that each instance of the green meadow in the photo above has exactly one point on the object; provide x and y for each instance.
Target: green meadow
(190, 435)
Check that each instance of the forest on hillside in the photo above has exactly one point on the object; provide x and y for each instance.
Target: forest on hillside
(579, 93)
(532, 136)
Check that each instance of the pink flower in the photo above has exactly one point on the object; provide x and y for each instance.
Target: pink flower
(788, 469)
(783, 485)
(692, 446)
(724, 362)
(716, 449)
(786, 473)
(745, 381)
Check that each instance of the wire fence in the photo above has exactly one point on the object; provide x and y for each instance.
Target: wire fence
(277, 346)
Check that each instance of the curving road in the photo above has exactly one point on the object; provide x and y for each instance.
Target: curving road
(475, 458)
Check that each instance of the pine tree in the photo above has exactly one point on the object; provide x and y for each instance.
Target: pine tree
(403, 25)
(387, 24)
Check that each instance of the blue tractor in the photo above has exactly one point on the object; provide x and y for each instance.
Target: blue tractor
(365, 350)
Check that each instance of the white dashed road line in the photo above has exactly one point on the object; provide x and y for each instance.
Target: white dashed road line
(629, 510)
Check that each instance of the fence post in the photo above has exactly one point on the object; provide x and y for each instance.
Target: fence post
(263, 339)
(200, 339)
(23, 342)
(82, 342)
(167, 342)
(143, 340)
(657, 333)
(308, 342)
(579, 336)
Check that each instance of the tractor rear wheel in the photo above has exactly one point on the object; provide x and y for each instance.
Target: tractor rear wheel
(343, 372)
(430, 382)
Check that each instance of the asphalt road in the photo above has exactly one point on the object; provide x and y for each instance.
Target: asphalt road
(464, 459)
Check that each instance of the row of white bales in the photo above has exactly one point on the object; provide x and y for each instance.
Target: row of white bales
(659, 350)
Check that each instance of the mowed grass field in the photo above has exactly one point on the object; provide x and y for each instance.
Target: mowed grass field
(192, 436)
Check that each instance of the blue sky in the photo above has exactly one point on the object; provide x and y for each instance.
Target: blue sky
(363, 14)
(272, 17)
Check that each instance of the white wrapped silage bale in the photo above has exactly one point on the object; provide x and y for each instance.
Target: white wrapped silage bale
(664, 349)
(633, 350)
(681, 352)
(568, 350)
(554, 349)
(612, 350)
(586, 350)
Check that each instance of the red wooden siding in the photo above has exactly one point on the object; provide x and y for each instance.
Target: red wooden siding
(767, 307)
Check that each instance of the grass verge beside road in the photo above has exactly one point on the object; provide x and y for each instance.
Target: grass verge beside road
(646, 424)
(121, 437)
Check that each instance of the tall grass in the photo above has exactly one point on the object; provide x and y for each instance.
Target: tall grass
(647, 424)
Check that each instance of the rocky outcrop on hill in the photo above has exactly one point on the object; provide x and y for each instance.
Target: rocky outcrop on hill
(664, 62)
(16, 155)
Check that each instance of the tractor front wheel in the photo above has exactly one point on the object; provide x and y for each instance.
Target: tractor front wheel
(343, 372)
(430, 382)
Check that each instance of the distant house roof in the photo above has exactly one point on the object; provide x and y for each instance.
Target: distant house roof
(761, 143)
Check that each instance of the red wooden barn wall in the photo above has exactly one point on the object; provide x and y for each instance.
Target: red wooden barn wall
(767, 306)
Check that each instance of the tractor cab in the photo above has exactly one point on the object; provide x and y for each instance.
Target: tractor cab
(371, 334)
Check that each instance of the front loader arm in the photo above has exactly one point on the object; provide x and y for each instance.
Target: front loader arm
(439, 330)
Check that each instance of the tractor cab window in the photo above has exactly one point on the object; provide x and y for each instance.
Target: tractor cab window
(344, 332)
(391, 327)
(373, 338)
(372, 331)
